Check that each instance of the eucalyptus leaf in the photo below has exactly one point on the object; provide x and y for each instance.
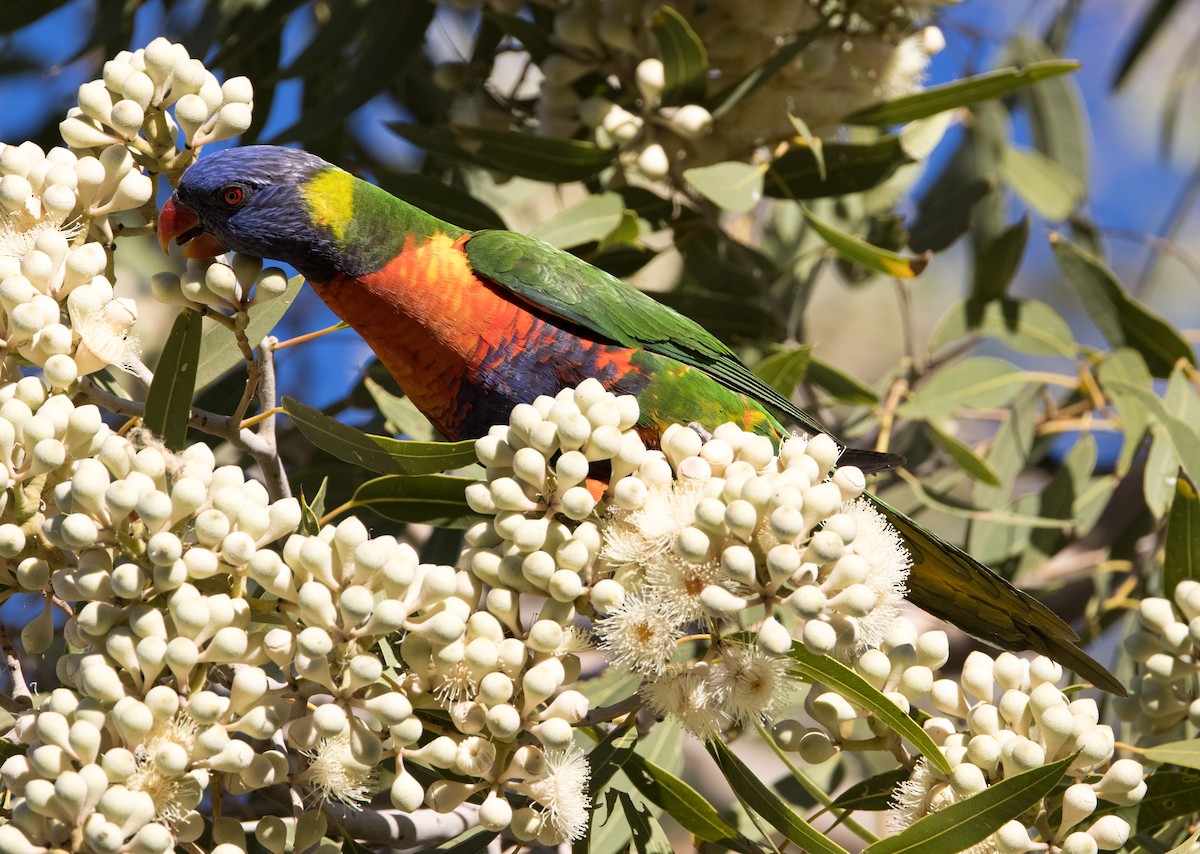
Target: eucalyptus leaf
(433, 499)
(839, 383)
(169, 401)
(648, 835)
(1047, 186)
(832, 673)
(1122, 320)
(1185, 753)
(819, 169)
(1182, 436)
(684, 58)
(976, 383)
(732, 185)
(400, 413)
(1026, 326)
(968, 822)
(219, 349)
(860, 252)
(377, 453)
(756, 795)
(683, 803)
(589, 221)
(962, 454)
(609, 756)
(312, 511)
(1181, 559)
(996, 261)
(782, 371)
(960, 93)
(873, 794)
(1170, 795)
(1126, 365)
(1057, 118)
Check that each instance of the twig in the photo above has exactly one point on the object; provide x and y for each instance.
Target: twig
(20, 690)
(398, 829)
(268, 459)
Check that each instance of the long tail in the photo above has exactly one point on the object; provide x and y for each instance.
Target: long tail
(950, 584)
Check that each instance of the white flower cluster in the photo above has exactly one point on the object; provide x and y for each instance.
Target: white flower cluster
(870, 54)
(235, 284)
(1003, 716)
(129, 108)
(46, 266)
(1166, 646)
(692, 534)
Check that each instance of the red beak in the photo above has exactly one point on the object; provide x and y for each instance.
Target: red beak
(180, 223)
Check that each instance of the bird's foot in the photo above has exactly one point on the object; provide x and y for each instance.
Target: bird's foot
(704, 434)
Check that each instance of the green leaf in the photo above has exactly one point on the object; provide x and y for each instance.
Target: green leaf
(169, 401)
(732, 185)
(434, 499)
(312, 511)
(1162, 464)
(648, 836)
(834, 169)
(400, 413)
(996, 262)
(1126, 365)
(1026, 326)
(1182, 436)
(473, 841)
(1169, 795)
(960, 93)
(1185, 753)
(1152, 22)
(1057, 121)
(962, 454)
(782, 371)
(610, 756)
(1122, 320)
(541, 158)
(532, 37)
(377, 453)
(873, 794)
(977, 383)
(1181, 560)
(756, 795)
(1048, 187)
(440, 200)
(860, 252)
(219, 350)
(831, 672)
(684, 59)
(815, 144)
(840, 384)
(590, 221)
(683, 803)
(959, 826)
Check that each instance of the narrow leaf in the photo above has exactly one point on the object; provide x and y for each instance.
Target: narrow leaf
(819, 169)
(589, 221)
(959, 826)
(960, 93)
(859, 251)
(733, 186)
(1181, 559)
(610, 756)
(782, 371)
(1026, 326)
(1184, 440)
(962, 454)
(648, 836)
(751, 791)
(377, 453)
(434, 499)
(1057, 119)
(1169, 795)
(1185, 753)
(684, 59)
(1046, 186)
(683, 803)
(312, 511)
(1122, 320)
(1151, 24)
(839, 677)
(729, 97)
(873, 794)
(840, 384)
(1126, 365)
(401, 415)
(996, 262)
(980, 382)
(169, 401)
(219, 350)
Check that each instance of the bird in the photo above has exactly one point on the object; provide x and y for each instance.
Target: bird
(471, 323)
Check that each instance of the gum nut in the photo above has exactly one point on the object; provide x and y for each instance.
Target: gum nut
(691, 121)
(139, 88)
(653, 162)
(232, 120)
(1110, 832)
(773, 637)
(127, 117)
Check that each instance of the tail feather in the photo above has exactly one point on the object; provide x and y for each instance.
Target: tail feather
(950, 584)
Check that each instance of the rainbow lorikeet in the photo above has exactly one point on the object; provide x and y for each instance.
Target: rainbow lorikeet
(472, 323)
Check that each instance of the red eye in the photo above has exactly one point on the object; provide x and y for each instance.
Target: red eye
(232, 196)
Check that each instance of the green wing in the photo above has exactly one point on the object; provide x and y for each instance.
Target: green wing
(558, 282)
